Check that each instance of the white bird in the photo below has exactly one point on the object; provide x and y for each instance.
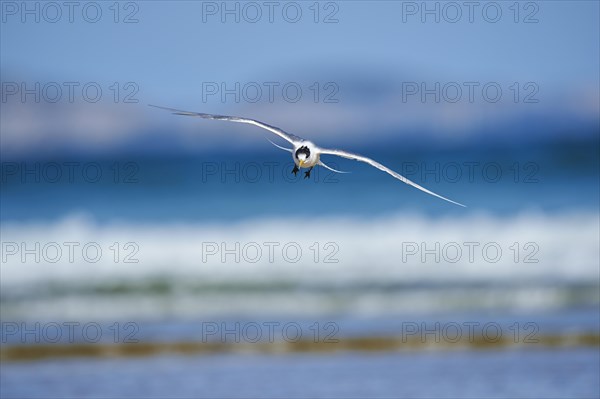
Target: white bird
(305, 153)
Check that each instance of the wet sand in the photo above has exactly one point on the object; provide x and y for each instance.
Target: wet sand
(31, 352)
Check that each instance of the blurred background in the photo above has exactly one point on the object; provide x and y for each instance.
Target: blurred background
(148, 254)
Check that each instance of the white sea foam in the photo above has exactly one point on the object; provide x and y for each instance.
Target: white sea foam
(398, 262)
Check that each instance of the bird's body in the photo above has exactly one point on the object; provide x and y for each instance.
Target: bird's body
(305, 153)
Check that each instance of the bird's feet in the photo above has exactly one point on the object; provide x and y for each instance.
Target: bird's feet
(295, 170)
(307, 174)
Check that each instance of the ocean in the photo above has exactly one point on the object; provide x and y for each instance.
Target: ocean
(230, 277)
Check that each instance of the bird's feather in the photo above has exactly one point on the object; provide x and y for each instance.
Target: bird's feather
(284, 135)
(321, 163)
(278, 146)
(356, 157)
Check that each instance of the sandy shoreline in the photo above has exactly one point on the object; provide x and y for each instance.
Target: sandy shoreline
(31, 352)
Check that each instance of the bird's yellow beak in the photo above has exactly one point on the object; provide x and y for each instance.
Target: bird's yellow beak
(300, 162)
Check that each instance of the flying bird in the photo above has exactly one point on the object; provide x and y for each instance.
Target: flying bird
(305, 153)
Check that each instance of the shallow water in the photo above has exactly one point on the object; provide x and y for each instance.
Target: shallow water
(560, 373)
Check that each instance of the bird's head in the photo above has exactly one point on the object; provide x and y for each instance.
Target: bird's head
(302, 154)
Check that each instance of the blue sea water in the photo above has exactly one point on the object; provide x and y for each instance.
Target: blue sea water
(234, 186)
(170, 204)
(562, 373)
(543, 196)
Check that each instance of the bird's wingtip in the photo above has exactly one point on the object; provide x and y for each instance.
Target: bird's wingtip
(175, 111)
(452, 202)
(159, 107)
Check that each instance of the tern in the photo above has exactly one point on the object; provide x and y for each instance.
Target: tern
(305, 153)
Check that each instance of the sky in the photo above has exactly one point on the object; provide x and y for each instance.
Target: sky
(170, 45)
(170, 51)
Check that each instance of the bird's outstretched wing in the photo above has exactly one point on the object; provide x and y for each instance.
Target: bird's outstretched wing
(284, 135)
(379, 166)
(280, 147)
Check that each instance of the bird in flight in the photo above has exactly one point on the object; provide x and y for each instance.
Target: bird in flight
(305, 153)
